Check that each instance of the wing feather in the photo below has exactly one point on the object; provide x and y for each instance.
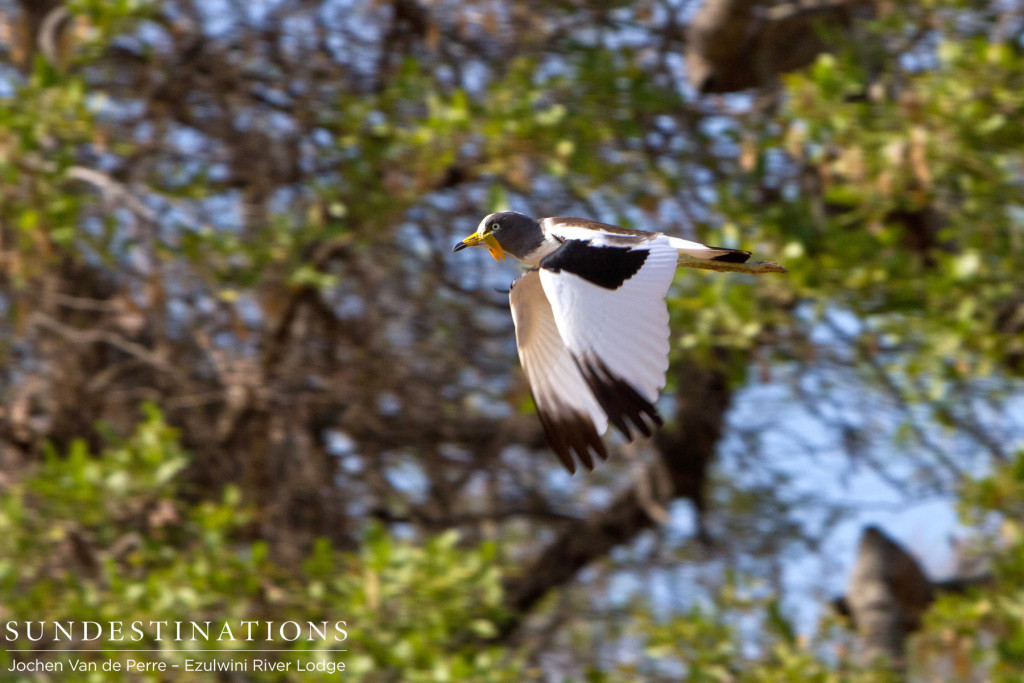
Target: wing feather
(618, 337)
(570, 414)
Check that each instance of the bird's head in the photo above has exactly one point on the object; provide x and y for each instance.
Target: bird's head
(506, 231)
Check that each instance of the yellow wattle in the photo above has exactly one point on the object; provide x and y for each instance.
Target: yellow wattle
(496, 251)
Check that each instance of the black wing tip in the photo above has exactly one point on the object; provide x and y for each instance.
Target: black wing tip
(731, 255)
(627, 410)
(573, 433)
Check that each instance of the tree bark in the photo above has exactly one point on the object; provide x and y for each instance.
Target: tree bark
(733, 45)
(887, 594)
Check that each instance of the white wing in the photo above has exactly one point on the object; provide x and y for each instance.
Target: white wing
(572, 418)
(618, 333)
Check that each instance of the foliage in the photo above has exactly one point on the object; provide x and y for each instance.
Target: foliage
(242, 213)
(928, 179)
(980, 635)
(108, 537)
(890, 179)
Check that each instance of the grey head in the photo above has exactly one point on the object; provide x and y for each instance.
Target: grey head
(516, 233)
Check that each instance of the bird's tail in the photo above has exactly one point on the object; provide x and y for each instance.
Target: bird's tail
(700, 251)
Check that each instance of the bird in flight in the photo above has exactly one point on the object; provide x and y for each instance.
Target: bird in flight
(591, 320)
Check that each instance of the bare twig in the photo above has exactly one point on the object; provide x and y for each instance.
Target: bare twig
(83, 336)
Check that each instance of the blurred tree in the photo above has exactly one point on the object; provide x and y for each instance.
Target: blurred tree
(241, 213)
(980, 636)
(108, 539)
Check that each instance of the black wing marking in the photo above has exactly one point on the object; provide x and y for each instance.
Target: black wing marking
(619, 400)
(604, 266)
(569, 432)
(730, 255)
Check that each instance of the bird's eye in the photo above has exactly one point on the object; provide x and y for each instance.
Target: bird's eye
(495, 227)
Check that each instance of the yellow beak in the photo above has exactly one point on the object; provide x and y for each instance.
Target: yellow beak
(477, 240)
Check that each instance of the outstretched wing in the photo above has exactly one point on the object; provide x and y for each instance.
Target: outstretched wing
(608, 303)
(572, 418)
